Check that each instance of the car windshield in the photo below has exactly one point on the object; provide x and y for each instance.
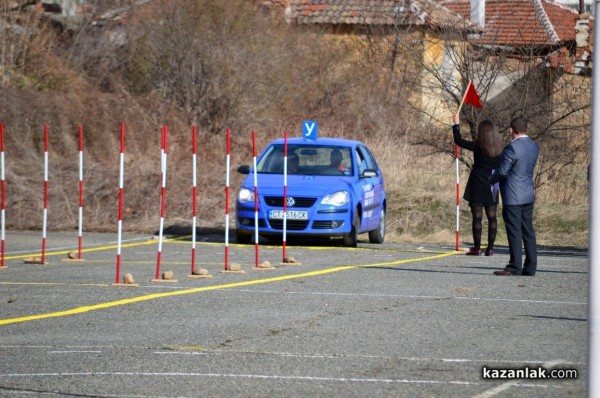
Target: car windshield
(307, 160)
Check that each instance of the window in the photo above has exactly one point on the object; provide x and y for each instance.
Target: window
(366, 160)
(310, 160)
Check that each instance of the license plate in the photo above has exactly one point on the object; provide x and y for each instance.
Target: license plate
(291, 215)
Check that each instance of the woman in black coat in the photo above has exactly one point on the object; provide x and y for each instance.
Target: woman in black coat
(487, 150)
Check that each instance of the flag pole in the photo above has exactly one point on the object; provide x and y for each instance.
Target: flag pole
(456, 155)
(457, 231)
(464, 97)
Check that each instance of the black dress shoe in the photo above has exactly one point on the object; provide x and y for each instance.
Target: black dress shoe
(503, 272)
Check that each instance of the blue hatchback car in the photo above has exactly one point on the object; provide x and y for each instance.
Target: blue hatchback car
(334, 190)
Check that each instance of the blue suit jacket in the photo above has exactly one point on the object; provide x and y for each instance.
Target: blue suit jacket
(516, 172)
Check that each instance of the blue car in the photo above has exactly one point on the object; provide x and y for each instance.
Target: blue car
(334, 190)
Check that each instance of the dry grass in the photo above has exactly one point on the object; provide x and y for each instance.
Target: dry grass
(291, 79)
(422, 204)
(420, 187)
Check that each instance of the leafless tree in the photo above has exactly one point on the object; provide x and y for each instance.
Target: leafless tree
(511, 82)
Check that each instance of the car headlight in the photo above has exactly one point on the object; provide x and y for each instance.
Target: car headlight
(339, 198)
(245, 195)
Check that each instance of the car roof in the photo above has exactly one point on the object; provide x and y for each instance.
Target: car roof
(327, 141)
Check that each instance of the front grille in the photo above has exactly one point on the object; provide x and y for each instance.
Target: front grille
(292, 225)
(327, 224)
(277, 201)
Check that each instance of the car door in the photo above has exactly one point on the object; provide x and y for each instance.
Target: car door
(371, 183)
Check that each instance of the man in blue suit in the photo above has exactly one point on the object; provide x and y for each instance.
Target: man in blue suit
(515, 175)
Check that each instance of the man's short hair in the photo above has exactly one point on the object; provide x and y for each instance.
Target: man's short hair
(519, 125)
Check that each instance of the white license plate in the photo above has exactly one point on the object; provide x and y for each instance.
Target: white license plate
(291, 215)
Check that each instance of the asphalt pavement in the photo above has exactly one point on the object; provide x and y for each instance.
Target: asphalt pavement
(391, 320)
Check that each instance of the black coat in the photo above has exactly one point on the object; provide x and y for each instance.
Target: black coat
(478, 188)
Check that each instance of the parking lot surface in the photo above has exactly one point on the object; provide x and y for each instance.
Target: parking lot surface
(379, 321)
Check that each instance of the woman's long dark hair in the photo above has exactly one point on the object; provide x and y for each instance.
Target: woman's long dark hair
(488, 139)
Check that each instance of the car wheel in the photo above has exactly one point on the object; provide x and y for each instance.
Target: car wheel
(351, 240)
(242, 238)
(378, 235)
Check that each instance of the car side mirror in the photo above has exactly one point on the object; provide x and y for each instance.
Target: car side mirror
(369, 173)
(243, 169)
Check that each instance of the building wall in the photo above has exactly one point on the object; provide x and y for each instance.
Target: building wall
(441, 60)
(572, 97)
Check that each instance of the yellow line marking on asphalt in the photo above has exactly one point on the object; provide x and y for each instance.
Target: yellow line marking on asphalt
(110, 304)
(180, 240)
(101, 248)
(408, 260)
(92, 249)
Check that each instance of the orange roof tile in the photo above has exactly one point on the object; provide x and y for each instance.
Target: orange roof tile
(515, 23)
(375, 12)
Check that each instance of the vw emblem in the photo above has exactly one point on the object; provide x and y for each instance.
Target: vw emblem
(290, 202)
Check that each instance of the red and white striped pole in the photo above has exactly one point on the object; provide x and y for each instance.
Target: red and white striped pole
(45, 221)
(227, 162)
(163, 197)
(162, 152)
(3, 187)
(194, 204)
(120, 226)
(285, 162)
(457, 198)
(256, 254)
(80, 236)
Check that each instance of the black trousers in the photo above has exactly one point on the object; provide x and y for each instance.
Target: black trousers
(519, 229)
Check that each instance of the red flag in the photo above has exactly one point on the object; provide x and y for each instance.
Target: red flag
(471, 96)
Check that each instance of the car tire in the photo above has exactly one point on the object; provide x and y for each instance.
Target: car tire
(378, 235)
(242, 238)
(351, 240)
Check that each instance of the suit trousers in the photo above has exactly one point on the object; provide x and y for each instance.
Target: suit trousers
(518, 220)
